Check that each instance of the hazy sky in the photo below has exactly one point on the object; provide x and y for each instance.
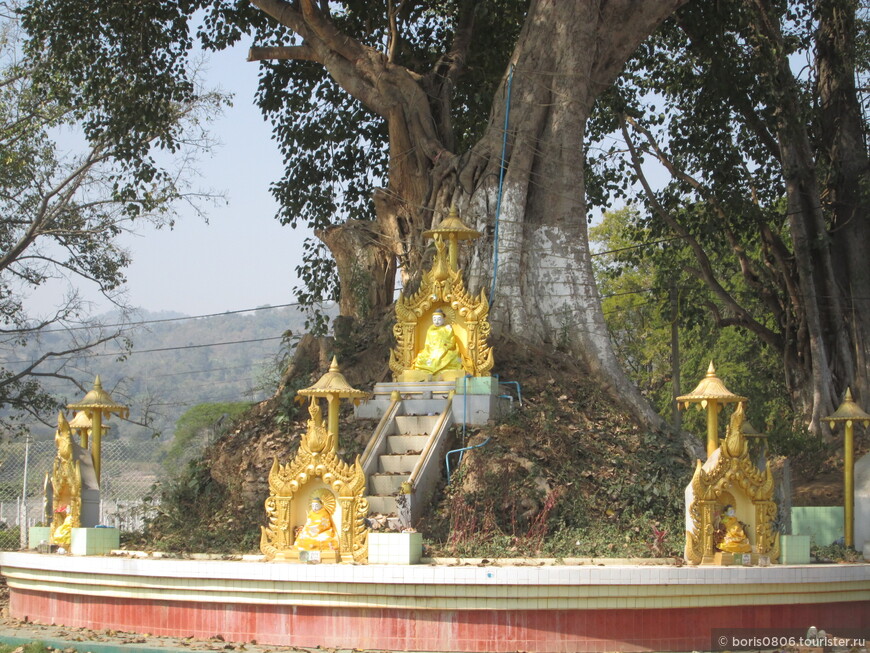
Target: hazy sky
(243, 258)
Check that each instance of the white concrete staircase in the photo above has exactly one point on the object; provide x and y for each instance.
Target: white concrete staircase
(396, 464)
(406, 453)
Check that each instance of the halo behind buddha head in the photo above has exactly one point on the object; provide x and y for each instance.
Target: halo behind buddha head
(326, 498)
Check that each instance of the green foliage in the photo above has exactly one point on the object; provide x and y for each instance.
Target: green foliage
(645, 288)
(704, 111)
(198, 427)
(195, 514)
(335, 149)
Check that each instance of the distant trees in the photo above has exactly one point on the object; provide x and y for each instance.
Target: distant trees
(60, 212)
(663, 331)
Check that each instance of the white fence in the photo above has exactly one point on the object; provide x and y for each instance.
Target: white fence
(126, 489)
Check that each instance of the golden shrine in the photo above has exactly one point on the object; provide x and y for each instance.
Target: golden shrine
(729, 504)
(66, 483)
(441, 331)
(317, 506)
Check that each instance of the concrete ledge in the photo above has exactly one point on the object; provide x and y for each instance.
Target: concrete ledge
(546, 609)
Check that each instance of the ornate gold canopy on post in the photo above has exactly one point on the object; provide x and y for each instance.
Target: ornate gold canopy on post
(711, 394)
(98, 406)
(848, 413)
(332, 386)
(453, 229)
(730, 478)
(336, 529)
(443, 289)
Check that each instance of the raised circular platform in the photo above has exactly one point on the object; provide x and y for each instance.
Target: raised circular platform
(435, 607)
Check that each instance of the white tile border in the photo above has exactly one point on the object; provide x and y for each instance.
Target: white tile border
(436, 575)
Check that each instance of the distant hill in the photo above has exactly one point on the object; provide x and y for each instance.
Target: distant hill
(177, 362)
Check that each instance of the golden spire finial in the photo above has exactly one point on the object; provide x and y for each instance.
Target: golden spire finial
(848, 413)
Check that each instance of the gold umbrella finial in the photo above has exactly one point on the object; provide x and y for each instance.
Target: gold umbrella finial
(333, 386)
(710, 394)
(453, 229)
(98, 405)
(848, 413)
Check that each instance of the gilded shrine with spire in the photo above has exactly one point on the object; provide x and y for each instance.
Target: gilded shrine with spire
(441, 330)
(730, 510)
(316, 507)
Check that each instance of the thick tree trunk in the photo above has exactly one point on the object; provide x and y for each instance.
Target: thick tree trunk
(544, 289)
(366, 267)
(830, 344)
(846, 179)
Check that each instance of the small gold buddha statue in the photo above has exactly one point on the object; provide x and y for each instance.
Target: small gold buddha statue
(439, 352)
(61, 530)
(318, 533)
(735, 540)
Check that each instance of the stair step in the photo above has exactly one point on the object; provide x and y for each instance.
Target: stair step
(382, 505)
(386, 483)
(415, 424)
(397, 463)
(400, 444)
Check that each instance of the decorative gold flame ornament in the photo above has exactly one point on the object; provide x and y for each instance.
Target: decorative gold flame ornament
(317, 501)
(730, 478)
(66, 482)
(465, 317)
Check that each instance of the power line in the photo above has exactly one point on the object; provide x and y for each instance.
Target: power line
(161, 349)
(168, 319)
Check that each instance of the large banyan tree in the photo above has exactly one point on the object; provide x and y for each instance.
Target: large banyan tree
(390, 112)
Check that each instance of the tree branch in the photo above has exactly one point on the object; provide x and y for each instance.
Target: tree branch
(283, 53)
(706, 269)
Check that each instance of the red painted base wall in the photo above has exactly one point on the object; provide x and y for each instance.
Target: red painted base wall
(677, 629)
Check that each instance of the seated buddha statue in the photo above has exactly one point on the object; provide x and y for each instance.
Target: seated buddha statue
(318, 533)
(735, 540)
(439, 352)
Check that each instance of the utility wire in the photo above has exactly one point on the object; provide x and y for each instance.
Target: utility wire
(171, 319)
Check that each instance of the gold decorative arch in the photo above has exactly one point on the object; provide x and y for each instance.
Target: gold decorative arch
(443, 288)
(316, 471)
(729, 476)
